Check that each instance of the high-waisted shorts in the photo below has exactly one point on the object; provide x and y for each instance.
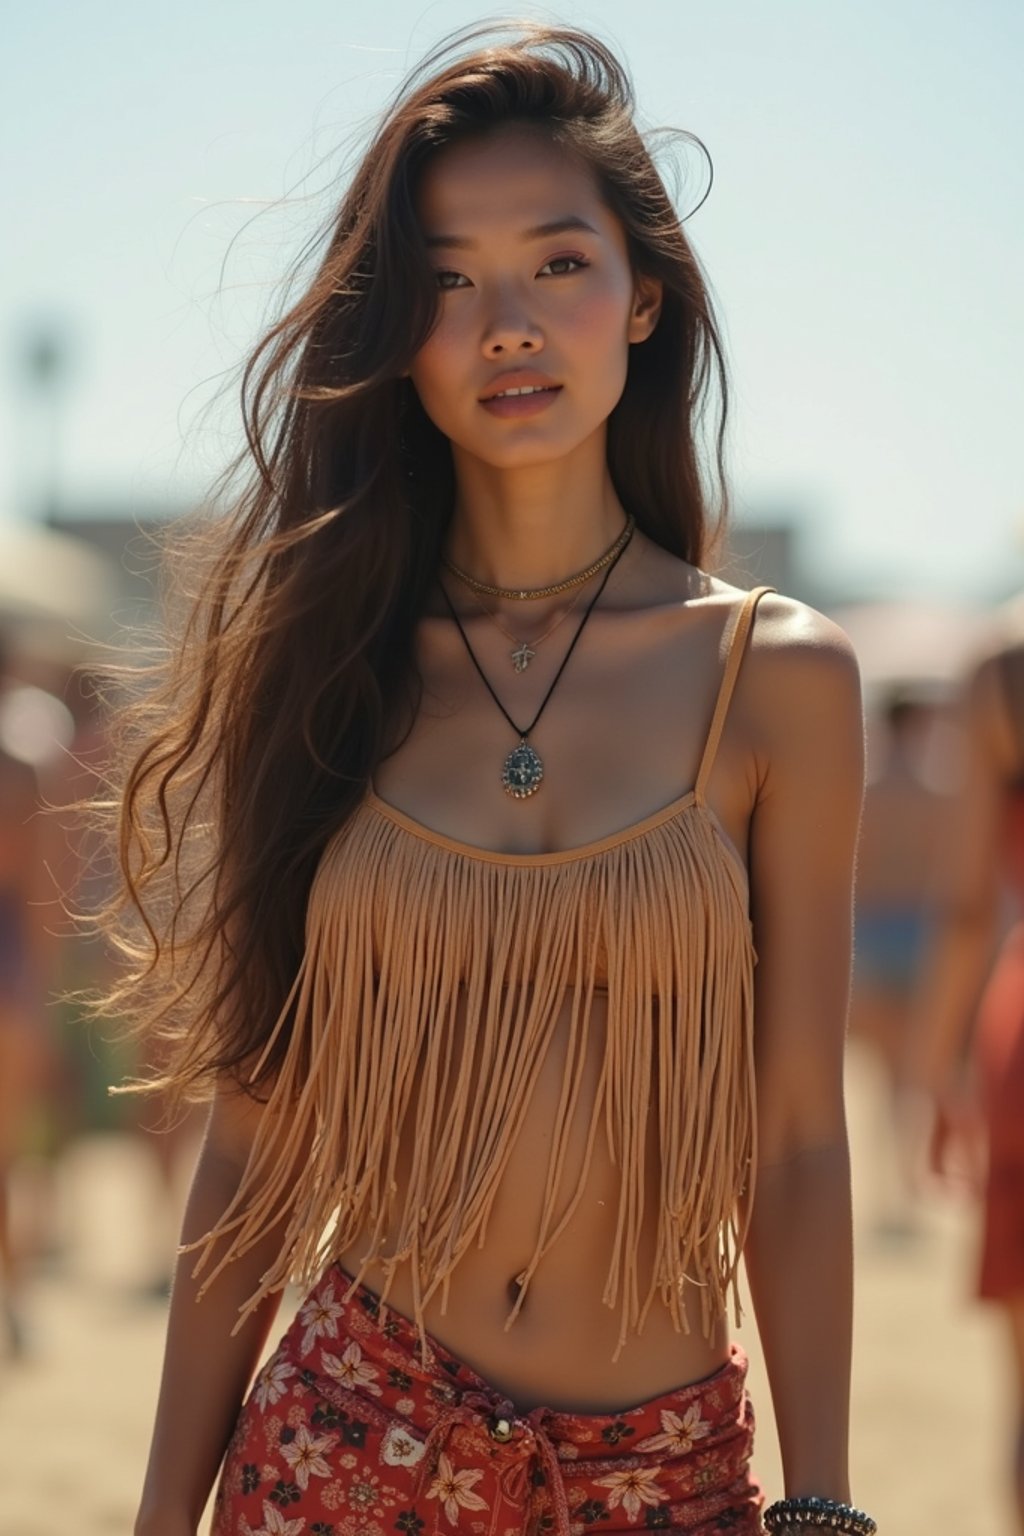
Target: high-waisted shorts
(346, 1432)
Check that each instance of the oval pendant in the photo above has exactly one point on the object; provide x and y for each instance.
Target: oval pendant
(522, 772)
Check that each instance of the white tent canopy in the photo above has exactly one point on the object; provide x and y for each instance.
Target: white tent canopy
(57, 592)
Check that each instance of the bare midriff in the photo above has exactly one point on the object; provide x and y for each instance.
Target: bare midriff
(587, 1122)
(558, 1350)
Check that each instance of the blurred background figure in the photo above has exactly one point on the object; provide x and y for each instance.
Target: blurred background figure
(33, 723)
(971, 1011)
(60, 596)
(905, 805)
(912, 654)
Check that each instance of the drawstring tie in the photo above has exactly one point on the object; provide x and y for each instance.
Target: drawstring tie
(502, 1420)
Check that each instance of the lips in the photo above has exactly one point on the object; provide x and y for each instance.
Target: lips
(520, 378)
(532, 404)
(525, 389)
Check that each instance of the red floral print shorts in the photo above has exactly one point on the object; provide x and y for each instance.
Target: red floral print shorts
(347, 1433)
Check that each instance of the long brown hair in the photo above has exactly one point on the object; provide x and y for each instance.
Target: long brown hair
(292, 671)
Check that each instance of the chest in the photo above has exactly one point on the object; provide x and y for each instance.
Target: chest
(619, 738)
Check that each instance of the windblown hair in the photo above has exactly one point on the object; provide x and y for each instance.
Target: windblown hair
(292, 671)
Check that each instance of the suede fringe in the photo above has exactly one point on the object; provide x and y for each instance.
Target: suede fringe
(414, 943)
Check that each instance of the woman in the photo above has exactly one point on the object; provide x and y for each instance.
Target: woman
(971, 1031)
(465, 770)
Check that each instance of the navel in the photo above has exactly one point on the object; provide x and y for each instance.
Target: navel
(515, 1285)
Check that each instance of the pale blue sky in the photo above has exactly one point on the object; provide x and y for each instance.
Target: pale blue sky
(865, 238)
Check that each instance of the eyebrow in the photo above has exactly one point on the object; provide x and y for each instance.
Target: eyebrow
(571, 221)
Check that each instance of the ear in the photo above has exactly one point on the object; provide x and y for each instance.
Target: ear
(643, 317)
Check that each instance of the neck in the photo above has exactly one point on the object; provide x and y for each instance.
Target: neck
(531, 527)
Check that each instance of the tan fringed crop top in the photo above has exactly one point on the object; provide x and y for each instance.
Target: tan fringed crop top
(415, 941)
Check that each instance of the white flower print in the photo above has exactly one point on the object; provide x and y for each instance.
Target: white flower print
(455, 1489)
(632, 1489)
(365, 1494)
(678, 1435)
(274, 1523)
(351, 1370)
(320, 1316)
(305, 1455)
(399, 1449)
(270, 1387)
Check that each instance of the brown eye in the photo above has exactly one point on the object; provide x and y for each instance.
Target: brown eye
(577, 262)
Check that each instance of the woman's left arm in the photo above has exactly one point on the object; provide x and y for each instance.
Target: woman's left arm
(803, 683)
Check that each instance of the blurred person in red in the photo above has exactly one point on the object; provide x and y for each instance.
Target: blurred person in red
(30, 724)
(905, 807)
(972, 1012)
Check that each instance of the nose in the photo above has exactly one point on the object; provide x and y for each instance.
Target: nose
(509, 328)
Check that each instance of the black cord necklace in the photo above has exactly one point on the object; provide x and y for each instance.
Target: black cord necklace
(523, 768)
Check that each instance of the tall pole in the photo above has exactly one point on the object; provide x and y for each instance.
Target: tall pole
(46, 359)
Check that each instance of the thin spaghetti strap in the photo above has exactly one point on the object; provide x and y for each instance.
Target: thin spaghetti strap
(737, 645)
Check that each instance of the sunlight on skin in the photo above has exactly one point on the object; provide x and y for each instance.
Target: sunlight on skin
(566, 304)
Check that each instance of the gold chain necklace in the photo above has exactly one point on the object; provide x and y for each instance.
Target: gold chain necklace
(525, 651)
(531, 594)
(523, 769)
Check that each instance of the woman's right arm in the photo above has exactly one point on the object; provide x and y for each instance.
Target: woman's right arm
(206, 1371)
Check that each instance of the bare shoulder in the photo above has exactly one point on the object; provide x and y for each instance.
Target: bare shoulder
(800, 693)
(798, 657)
(790, 633)
(991, 695)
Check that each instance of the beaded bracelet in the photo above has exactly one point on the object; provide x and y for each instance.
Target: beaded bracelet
(820, 1514)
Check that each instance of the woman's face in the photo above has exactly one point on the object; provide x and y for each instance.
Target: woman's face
(561, 303)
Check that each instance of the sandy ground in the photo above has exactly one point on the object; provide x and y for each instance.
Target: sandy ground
(931, 1426)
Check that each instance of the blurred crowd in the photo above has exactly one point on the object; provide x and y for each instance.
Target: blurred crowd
(938, 981)
(58, 1059)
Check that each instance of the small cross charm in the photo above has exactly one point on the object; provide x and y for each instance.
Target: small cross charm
(522, 657)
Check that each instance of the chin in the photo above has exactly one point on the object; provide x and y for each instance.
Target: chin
(524, 453)
(525, 456)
